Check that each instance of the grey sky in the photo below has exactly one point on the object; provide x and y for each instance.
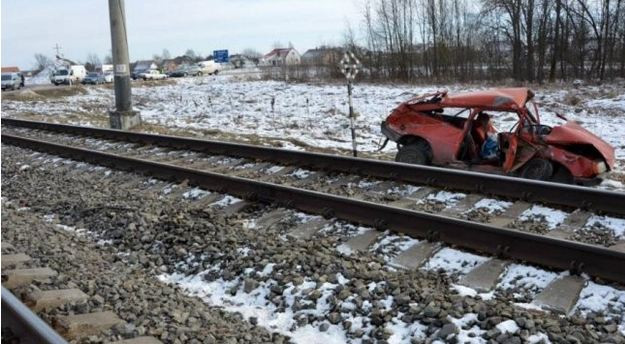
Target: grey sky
(81, 26)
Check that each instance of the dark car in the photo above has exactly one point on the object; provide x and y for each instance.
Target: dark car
(185, 70)
(178, 72)
(93, 79)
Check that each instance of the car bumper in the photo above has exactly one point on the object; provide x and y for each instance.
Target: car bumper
(389, 133)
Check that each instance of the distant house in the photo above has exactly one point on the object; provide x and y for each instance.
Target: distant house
(104, 68)
(322, 56)
(281, 57)
(10, 69)
(143, 65)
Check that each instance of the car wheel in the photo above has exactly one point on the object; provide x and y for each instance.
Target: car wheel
(216, 72)
(414, 153)
(562, 175)
(537, 169)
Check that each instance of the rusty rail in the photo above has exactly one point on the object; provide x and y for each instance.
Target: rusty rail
(466, 181)
(506, 243)
(24, 324)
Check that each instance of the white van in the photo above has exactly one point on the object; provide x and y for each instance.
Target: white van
(66, 75)
(208, 67)
(12, 81)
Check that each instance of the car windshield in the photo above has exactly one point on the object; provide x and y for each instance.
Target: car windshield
(62, 72)
(6, 77)
(93, 75)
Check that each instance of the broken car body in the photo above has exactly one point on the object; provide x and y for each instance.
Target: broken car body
(426, 134)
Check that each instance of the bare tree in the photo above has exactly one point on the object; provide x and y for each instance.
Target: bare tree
(251, 53)
(165, 55)
(93, 59)
(42, 61)
(191, 53)
(523, 39)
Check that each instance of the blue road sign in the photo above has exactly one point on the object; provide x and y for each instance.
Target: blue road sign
(220, 56)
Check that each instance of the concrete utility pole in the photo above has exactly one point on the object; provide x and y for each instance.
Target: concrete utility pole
(123, 117)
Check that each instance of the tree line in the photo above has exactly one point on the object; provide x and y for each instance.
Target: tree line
(527, 40)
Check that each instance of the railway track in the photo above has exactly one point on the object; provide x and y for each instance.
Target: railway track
(278, 207)
(40, 289)
(448, 179)
(493, 239)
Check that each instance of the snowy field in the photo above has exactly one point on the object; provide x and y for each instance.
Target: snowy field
(315, 115)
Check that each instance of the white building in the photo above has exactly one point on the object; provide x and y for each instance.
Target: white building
(281, 57)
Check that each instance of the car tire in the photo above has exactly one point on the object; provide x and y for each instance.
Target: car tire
(537, 169)
(562, 175)
(216, 72)
(417, 153)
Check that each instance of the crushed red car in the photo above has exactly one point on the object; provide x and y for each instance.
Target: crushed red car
(456, 130)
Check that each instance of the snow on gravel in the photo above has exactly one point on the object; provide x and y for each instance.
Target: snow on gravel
(226, 201)
(454, 261)
(552, 217)
(491, 205)
(602, 298)
(443, 197)
(403, 191)
(526, 278)
(508, 326)
(195, 193)
(231, 296)
(615, 224)
(391, 245)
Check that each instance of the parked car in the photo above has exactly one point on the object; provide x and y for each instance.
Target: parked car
(109, 77)
(456, 130)
(13, 81)
(181, 71)
(152, 74)
(208, 67)
(68, 75)
(93, 79)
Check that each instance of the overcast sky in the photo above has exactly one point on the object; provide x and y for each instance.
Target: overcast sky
(82, 26)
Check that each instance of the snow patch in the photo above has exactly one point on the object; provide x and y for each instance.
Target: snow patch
(552, 217)
(454, 261)
(492, 205)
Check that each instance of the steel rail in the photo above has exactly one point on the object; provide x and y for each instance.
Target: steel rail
(24, 323)
(467, 181)
(506, 243)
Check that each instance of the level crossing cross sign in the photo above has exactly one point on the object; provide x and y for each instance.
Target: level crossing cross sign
(349, 65)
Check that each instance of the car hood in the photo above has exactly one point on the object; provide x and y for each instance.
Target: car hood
(573, 133)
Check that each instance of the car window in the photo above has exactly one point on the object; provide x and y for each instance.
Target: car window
(456, 112)
(6, 77)
(503, 121)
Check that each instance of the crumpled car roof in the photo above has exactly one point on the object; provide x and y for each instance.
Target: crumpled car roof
(505, 99)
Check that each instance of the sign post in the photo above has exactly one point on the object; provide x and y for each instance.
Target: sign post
(350, 66)
(220, 56)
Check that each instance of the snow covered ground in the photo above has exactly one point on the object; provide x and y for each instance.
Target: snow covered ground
(311, 114)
